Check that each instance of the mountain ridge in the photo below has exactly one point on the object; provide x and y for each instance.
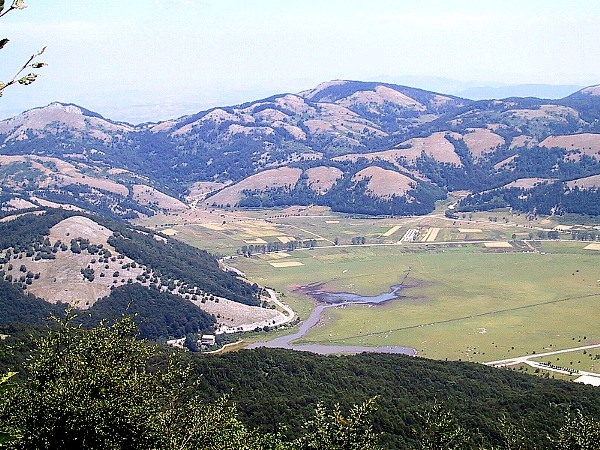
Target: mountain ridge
(440, 142)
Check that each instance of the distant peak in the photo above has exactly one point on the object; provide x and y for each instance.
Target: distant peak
(591, 90)
(316, 92)
(69, 108)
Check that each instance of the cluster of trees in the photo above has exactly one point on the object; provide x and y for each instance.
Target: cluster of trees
(159, 315)
(348, 196)
(27, 231)
(169, 259)
(18, 306)
(269, 247)
(549, 198)
(174, 260)
(103, 388)
(97, 200)
(485, 402)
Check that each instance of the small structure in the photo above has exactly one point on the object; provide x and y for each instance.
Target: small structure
(207, 340)
(177, 343)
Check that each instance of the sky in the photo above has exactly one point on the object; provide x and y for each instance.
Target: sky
(152, 60)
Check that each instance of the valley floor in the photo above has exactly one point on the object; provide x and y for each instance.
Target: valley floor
(482, 287)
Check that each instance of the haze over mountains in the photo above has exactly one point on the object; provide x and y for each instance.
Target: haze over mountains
(360, 147)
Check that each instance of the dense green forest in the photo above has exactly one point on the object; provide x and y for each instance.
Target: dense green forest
(158, 315)
(103, 388)
(547, 198)
(269, 383)
(20, 307)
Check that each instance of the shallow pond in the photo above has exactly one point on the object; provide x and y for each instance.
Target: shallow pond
(326, 300)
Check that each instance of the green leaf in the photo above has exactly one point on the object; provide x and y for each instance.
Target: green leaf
(27, 79)
(3, 42)
(1, 5)
(19, 4)
(38, 65)
(7, 437)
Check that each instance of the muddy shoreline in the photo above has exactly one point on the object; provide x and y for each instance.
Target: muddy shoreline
(324, 300)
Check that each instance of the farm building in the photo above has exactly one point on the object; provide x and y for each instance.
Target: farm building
(207, 340)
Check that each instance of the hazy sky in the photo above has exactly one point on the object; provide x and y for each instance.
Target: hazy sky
(148, 60)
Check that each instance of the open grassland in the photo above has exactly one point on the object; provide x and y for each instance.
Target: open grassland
(462, 299)
(460, 303)
(587, 360)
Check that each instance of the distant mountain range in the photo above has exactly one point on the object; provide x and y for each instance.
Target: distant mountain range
(358, 147)
(549, 91)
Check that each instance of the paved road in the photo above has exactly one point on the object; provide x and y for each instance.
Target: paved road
(289, 312)
(527, 360)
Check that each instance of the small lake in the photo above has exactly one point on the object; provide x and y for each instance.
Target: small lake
(326, 300)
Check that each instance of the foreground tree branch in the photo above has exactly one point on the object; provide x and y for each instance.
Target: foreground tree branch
(31, 62)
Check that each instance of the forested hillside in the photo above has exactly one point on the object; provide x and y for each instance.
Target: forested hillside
(285, 384)
(170, 275)
(140, 397)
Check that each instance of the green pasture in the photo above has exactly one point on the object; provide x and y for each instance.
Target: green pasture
(587, 360)
(460, 303)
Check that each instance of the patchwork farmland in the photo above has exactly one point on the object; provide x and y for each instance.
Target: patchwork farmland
(481, 287)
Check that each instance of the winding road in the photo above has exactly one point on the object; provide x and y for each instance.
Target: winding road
(527, 360)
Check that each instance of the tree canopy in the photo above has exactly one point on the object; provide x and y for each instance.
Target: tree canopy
(102, 388)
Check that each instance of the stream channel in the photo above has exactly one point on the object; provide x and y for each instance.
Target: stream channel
(326, 300)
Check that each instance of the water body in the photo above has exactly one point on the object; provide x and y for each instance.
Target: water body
(326, 300)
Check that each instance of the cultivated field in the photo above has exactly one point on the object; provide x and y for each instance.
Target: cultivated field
(481, 287)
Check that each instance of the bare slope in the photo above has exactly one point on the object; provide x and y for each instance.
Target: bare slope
(274, 178)
(80, 276)
(384, 183)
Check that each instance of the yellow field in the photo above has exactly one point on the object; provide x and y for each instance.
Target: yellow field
(592, 247)
(261, 232)
(470, 230)
(169, 232)
(498, 245)
(392, 230)
(285, 239)
(256, 241)
(286, 264)
(563, 227)
(431, 235)
(279, 255)
(212, 226)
